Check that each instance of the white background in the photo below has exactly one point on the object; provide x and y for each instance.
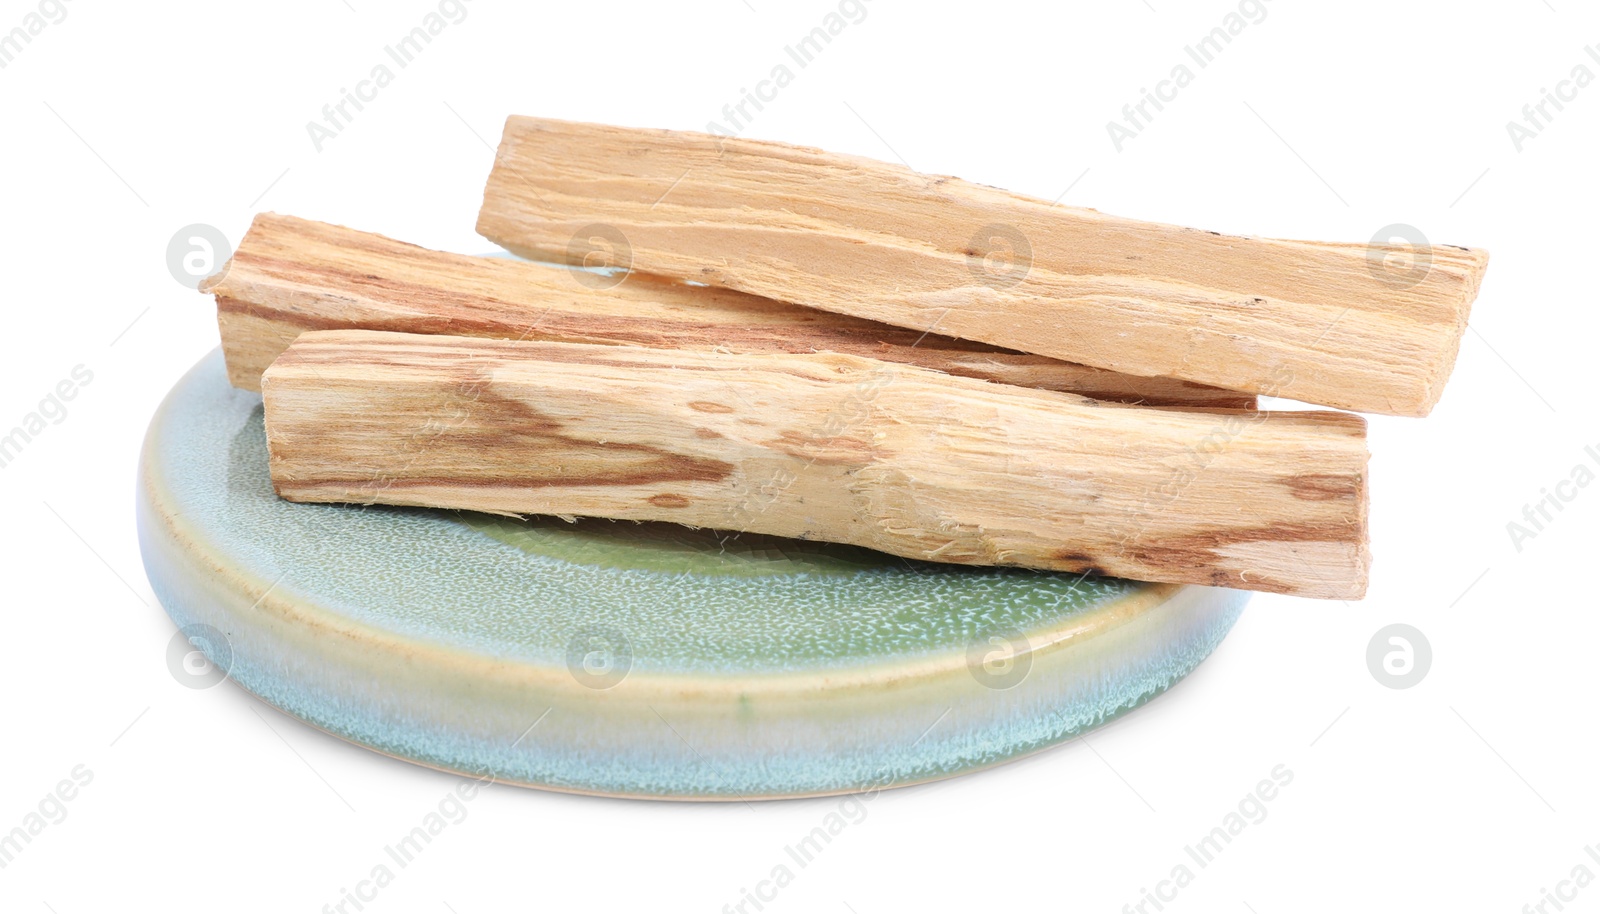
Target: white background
(1471, 791)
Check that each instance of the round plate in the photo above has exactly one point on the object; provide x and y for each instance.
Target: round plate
(645, 660)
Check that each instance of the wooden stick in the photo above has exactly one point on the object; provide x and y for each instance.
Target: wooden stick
(291, 275)
(827, 447)
(1337, 324)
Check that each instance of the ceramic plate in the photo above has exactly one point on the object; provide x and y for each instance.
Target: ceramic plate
(645, 660)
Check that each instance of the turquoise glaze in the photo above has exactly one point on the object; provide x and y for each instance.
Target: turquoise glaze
(625, 659)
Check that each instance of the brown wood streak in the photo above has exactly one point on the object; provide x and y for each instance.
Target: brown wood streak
(1203, 549)
(291, 275)
(823, 446)
(828, 450)
(1322, 486)
(483, 421)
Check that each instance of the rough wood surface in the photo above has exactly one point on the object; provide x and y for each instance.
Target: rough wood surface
(291, 275)
(828, 447)
(1355, 326)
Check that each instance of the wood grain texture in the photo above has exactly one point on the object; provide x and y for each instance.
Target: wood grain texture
(1354, 326)
(826, 447)
(292, 275)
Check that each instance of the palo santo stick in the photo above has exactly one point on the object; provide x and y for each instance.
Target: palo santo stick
(1334, 324)
(825, 447)
(291, 275)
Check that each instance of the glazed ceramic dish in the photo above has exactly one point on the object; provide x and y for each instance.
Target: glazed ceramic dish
(632, 659)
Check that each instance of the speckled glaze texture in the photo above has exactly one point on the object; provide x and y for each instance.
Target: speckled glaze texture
(755, 667)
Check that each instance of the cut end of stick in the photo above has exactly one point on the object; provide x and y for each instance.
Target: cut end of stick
(1471, 264)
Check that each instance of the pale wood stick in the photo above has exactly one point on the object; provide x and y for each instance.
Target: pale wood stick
(826, 447)
(1335, 324)
(291, 275)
